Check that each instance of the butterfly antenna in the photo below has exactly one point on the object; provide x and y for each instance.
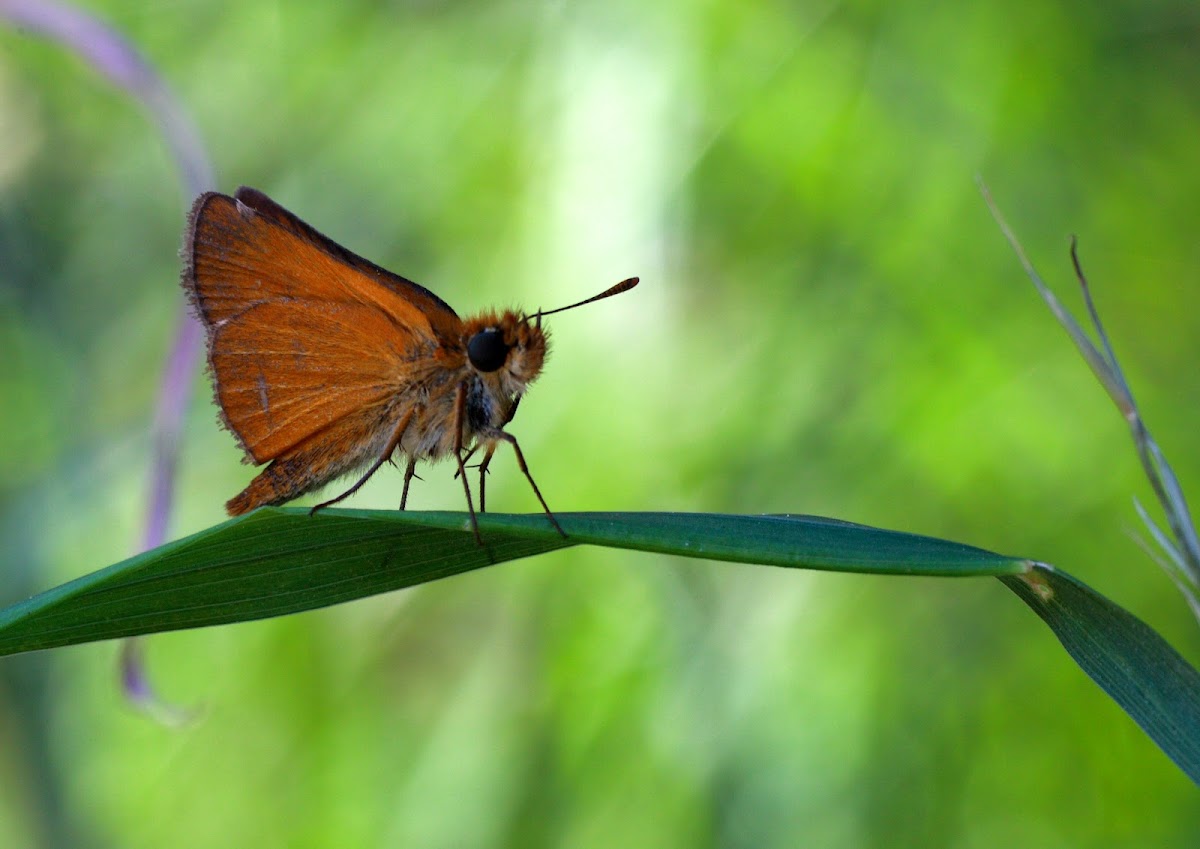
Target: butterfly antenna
(623, 286)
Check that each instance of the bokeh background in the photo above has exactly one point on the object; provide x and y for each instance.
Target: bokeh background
(829, 323)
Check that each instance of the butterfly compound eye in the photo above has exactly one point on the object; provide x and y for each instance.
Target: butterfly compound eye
(487, 350)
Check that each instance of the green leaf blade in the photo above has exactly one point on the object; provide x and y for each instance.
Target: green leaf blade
(279, 561)
(1133, 664)
(807, 542)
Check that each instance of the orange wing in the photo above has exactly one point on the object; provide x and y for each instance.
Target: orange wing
(266, 246)
(286, 371)
(303, 334)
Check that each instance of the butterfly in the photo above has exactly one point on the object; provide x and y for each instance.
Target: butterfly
(323, 363)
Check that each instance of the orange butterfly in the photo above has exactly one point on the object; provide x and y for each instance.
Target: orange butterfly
(323, 362)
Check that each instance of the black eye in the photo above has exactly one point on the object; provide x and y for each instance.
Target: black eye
(487, 350)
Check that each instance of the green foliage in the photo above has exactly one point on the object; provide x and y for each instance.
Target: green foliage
(280, 560)
(1133, 664)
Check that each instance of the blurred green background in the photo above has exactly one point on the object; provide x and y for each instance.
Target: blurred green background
(829, 323)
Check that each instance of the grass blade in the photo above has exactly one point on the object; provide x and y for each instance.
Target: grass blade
(281, 560)
(1129, 660)
(277, 561)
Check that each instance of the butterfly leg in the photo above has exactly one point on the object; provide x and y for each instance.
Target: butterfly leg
(493, 434)
(483, 470)
(467, 458)
(392, 445)
(483, 467)
(512, 411)
(410, 472)
(460, 417)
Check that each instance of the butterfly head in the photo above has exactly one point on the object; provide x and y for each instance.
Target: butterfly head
(506, 345)
(513, 346)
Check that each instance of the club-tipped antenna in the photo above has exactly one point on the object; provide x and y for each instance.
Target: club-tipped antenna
(623, 286)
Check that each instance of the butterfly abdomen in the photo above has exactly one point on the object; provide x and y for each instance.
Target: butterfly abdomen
(281, 481)
(346, 445)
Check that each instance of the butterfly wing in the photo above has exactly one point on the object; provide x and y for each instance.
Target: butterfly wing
(253, 232)
(285, 372)
(304, 336)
